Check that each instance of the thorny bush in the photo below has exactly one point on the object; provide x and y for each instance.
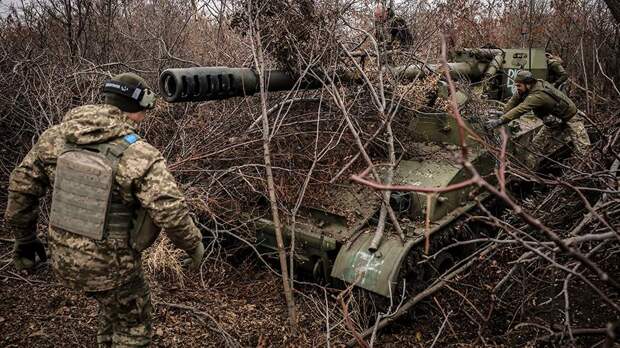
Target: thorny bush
(54, 55)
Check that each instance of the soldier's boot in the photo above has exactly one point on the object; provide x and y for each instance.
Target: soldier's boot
(133, 326)
(104, 341)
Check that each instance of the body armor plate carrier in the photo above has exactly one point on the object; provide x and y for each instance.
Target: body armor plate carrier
(84, 202)
(564, 108)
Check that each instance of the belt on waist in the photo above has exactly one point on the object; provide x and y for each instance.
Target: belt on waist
(118, 232)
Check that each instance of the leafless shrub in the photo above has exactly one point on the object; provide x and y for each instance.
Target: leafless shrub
(54, 57)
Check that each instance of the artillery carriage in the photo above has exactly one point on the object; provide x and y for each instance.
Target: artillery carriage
(331, 246)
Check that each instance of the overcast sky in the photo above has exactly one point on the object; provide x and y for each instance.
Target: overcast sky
(4, 6)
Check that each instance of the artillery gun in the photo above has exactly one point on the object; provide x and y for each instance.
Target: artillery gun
(329, 245)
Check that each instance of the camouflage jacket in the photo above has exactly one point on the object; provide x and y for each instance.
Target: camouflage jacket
(538, 101)
(141, 178)
(557, 74)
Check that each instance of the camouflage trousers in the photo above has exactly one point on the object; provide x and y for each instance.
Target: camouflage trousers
(544, 142)
(124, 315)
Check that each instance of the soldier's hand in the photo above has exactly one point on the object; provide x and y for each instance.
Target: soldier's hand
(493, 123)
(195, 257)
(25, 253)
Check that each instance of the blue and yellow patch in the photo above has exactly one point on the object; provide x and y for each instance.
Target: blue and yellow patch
(131, 138)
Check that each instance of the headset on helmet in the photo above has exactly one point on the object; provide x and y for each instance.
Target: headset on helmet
(144, 96)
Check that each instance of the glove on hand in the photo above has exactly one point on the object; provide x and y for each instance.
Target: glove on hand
(25, 253)
(493, 123)
(195, 259)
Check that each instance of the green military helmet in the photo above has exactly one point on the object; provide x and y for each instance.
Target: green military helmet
(525, 76)
(129, 92)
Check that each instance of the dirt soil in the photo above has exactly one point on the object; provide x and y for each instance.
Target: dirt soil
(240, 302)
(36, 311)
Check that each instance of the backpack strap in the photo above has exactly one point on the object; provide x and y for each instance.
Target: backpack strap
(119, 219)
(119, 216)
(550, 93)
(114, 149)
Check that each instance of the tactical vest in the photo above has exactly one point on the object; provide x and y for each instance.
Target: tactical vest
(85, 203)
(564, 108)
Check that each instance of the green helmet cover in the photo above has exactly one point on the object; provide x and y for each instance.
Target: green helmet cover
(124, 102)
(525, 76)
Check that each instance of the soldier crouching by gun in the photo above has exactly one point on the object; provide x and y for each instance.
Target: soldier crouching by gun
(558, 112)
(111, 193)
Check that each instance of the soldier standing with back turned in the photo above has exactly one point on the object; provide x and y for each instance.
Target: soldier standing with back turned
(558, 112)
(111, 194)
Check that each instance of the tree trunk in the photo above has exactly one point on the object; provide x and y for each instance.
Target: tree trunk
(260, 65)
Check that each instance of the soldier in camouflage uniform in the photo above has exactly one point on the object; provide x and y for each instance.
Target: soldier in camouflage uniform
(557, 75)
(391, 31)
(109, 269)
(559, 114)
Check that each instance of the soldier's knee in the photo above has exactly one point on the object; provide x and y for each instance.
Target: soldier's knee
(580, 149)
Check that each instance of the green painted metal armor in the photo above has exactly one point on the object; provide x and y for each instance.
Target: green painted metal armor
(335, 242)
(374, 271)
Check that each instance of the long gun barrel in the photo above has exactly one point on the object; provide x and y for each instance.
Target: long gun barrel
(213, 83)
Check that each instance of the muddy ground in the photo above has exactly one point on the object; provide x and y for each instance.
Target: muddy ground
(237, 301)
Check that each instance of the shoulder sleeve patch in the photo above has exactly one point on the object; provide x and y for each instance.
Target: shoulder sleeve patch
(131, 138)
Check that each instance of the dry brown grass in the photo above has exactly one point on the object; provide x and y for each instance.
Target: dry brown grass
(162, 261)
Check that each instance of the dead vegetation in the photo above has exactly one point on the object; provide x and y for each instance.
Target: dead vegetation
(54, 54)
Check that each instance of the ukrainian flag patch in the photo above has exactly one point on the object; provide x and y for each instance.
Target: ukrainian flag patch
(131, 138)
